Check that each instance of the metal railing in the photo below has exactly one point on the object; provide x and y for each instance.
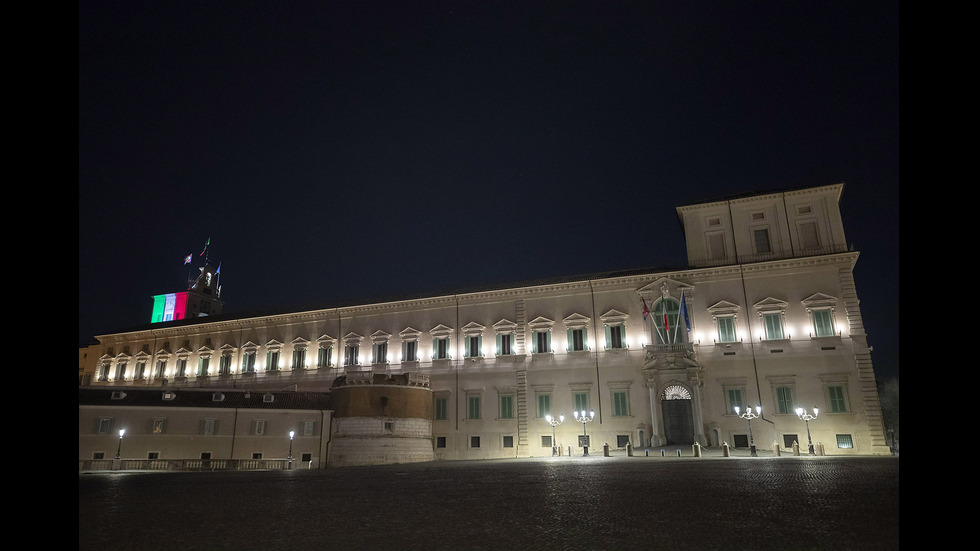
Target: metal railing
(186, 464)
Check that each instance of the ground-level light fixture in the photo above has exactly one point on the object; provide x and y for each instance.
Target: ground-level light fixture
(583, 417)
(802, 414)
(749, 415)
(554, 423)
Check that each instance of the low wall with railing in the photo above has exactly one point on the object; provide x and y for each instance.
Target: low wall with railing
(189, 465)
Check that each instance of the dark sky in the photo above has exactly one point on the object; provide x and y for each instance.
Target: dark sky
(336, 152)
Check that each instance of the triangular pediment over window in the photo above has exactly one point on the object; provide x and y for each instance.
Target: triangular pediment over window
(505, 326)
(540, 323)
(576, 321)
(614, 317)
(441, 331)
(722, 308)
(771, 304)
(820, 300)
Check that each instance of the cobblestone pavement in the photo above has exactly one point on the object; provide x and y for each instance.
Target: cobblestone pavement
(594, 502)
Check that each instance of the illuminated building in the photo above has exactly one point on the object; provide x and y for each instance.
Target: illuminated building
(767, 313)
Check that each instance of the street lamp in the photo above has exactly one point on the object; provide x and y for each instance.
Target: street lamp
(554, 423)
(749, 415)
(291, 435)
(122, 432)
(802, 414)
(584, 418)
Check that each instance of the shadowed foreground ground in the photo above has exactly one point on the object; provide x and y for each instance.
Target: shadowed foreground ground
(555, 503)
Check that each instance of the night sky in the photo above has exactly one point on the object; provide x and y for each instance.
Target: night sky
(336, 153)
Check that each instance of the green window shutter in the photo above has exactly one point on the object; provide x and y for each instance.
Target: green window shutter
(608, 337)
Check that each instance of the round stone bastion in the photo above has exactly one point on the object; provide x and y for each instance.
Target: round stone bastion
(381, 419)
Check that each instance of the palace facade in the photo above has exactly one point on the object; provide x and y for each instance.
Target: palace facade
(767, 314)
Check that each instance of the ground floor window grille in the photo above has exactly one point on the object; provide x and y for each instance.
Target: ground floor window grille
(741, 441)
(844, 441)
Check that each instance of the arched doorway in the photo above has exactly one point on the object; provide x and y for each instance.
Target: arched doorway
(678, 415)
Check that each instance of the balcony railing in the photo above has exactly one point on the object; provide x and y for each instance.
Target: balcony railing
(765, 257)
(185, 464)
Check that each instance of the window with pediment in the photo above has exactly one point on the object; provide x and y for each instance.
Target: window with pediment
(725, 314)
(821, 310)
(249, 351)
(772, 313)
(441, 341)
(541, 335)
(352, 349)
(614, 325)
(324, 352)
(577, 333)
(410, 344)
(204, 361)
(273, 351)
(506, 332)
(379, 347)
(473, 340)
(299, 353)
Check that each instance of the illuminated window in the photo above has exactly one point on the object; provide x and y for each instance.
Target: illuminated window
(784, 400)
(224, 364)
(248, 362)
(120, 371)
(576, 333)
(734, 398)
(844, 441)
(541, 335)
(380, 353)
(140, 371)
(621, 403)
(324, 356)
(544, 404)
(823, 323)
(202, 366)
(837, 398)
(159, 426)
(410, 344)
(272, 360)
(350, 354)
(773, 324)
(581, 401)
(181, 367)
(440, 342)
(505, 330)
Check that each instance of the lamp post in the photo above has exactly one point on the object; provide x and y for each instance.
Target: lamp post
(122, 432)
(802, 414)
(290, 457)
(749, 415)
(554, 423)
(584, 418)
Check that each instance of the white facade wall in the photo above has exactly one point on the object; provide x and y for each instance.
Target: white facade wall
(806, 268)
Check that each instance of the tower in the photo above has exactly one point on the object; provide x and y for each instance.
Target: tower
(202, 298)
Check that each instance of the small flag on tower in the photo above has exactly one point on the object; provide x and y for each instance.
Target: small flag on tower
(187, 259)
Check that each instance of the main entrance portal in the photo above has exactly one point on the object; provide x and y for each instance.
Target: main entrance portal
(678, 415)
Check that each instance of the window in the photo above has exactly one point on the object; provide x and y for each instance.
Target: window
(224, 364)
(441, 413)
(616, 336)
(809, 236)
(257, 455)
(581, 401)
(181, 367)
(621, 404)
(299, 358)
(410, 351)
(666, 314)
(546, 441)
(324, 356)
(542, 341)
(248, 362)
(440, 342)
(440, 348)
(544, 405)
(761, 240)
(844, 441)
(120, 371)
(784, 400)
(272, 360)
(716, 245)
(104, 426)
(209, 427)
(473, 407)
(380, 353)
(307, 428)
(507, 406)
(788, 440)
(473, 340)
(202, 366)
(541, 335)
(161, 369)
(440, 441)
(726, 329)
(159, 426)
(734, 396)
(622, 440)
(508, 441)
(140, 370)
(474, 441)
(773, 323)
(350, 354)
(258, 428)
(823, 323)
(741, 440)
(838, 401)
(576, 340)
(474, 346)
(505, 344)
